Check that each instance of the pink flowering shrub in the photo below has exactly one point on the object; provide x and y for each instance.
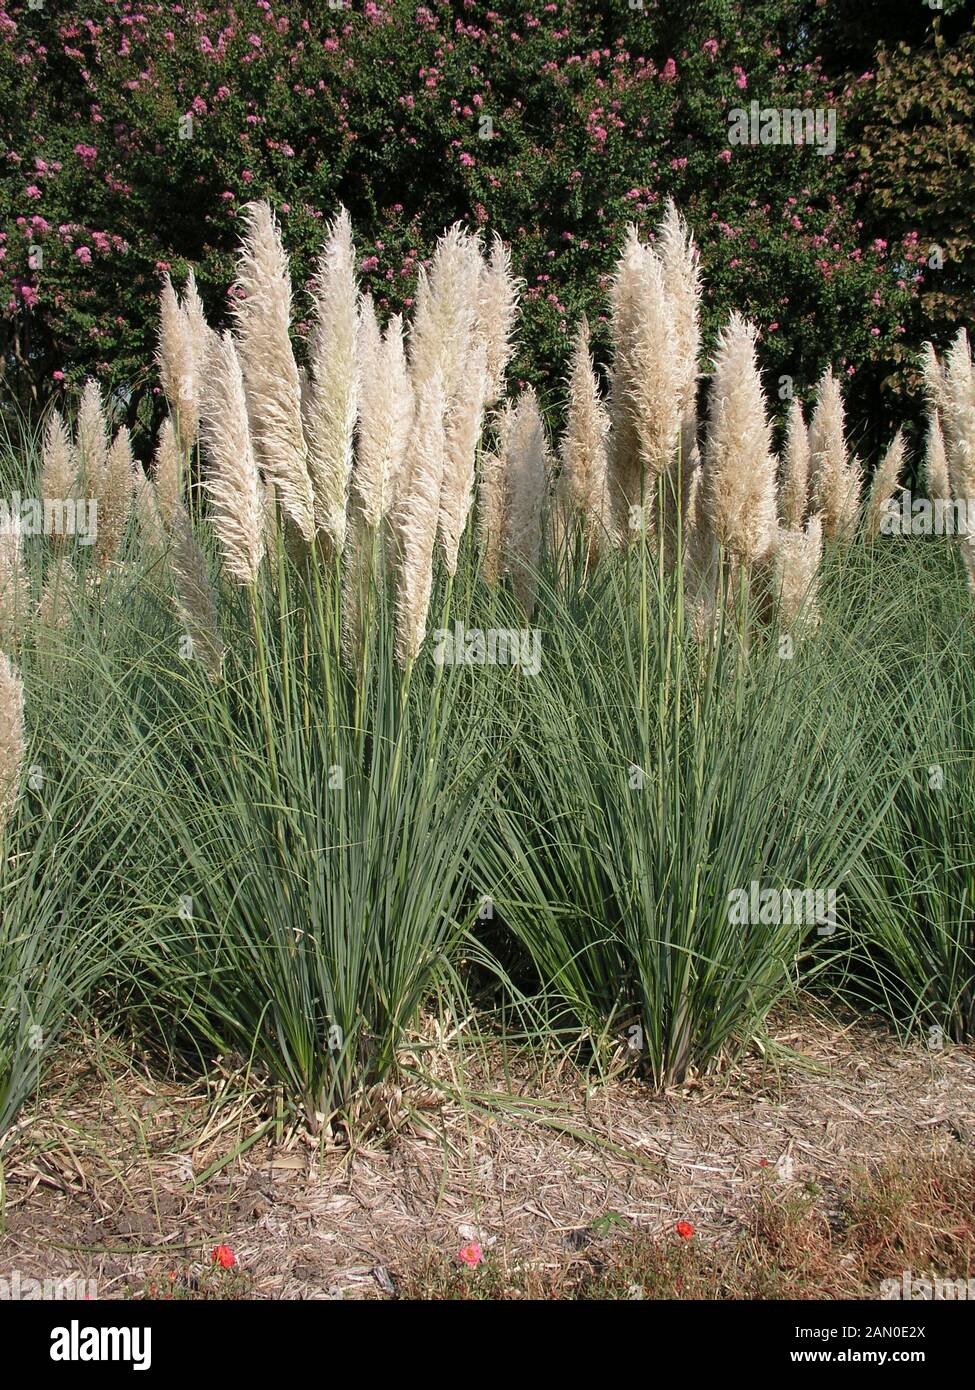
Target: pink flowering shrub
(140, 130)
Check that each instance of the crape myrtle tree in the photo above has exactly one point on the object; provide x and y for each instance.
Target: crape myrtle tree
(136, 133)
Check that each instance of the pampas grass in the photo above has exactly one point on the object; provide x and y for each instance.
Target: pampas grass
(59, 474)
(936, 461)
(646, 382)
(526, 470)
(836, 480)
(959, 418)
(385, 415)
(884, 486)
(583, 496)
(463, 433)
(261, 310)
(415, 518)
(14, 583)
(232, 479)
(798, 553)
(11, 738)
(114, 499)
(739, 487)
(331, 400)
(496, 317)
(492, 499)
(92, 439)
(794, 491)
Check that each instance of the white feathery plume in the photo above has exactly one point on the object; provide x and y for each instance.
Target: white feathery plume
(798, 554)
(794, 492)
(262, 317)
(445, 313)
(59, 474)
(496, 316)
(414, 520)
(114, 498)
(936, 461)
(583, 484)
(836, 479)
(14, 586)
(739, 485)
(385, 415)
(178, 362)
(167, 472)
(333, 379)
(526, 471)
(463, 431)
(934, 378)
(682, 284)
(12, 740)
(492, 502)
(958, 419)
(232, 479)
(646, 382)
(884, 485)
(92, 438)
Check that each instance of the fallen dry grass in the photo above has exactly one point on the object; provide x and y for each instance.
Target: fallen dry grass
(835, 1159)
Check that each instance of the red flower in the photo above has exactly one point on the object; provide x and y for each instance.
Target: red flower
(685, 1230)
(224, 1256)
(471, 1254)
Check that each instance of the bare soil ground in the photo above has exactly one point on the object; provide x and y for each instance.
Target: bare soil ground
(118, 1176)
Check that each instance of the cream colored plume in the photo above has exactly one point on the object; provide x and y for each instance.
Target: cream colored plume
(114, 498)
(262, 317)
(526, 472)
(414, 519)
(195, 602)
(798, 554)
(936, 461)
(492, 503)
(232, 479)
(884, 485)
(496, 316)
(92, 438)
(333, 379)
(385, 415)
(14, 584)
(794, 492)
(958, 419)
(739, 486)
(167, 473)
(934, 378)
(178, 357)
(12, 741)
(647, 382)
(59, 474)
(836, 480)
(463, 431)
(682, 285)
(583, 484)
(445, 314)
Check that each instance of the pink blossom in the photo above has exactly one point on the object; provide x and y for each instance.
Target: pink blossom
(84, 255)
(669, 71)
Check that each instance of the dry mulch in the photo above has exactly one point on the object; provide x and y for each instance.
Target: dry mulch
(121, 1177)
